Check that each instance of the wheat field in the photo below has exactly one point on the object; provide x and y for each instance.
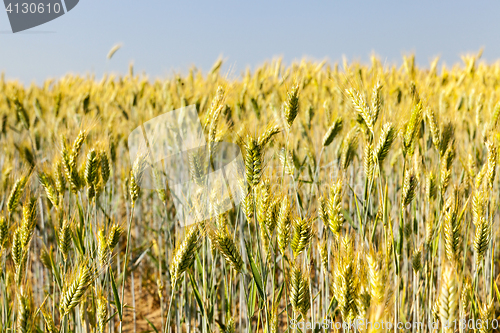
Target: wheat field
(369, 193)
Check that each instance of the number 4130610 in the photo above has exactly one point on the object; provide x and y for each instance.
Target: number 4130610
(33, 8)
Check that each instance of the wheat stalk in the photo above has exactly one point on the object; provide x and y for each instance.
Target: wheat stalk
(291, 106)
(184, 254)
(75, 289)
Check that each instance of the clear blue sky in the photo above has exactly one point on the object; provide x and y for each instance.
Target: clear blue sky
(161, 37)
